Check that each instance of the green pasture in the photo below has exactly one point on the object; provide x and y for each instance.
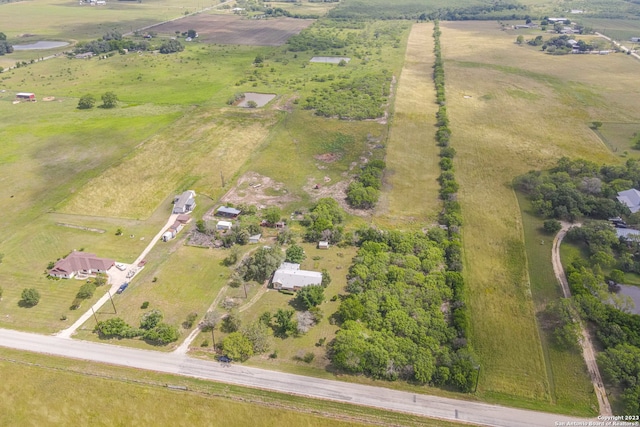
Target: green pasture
(618, 137)
(569, 382)
(513, 110)
(305, 8)
(411, 188)
(618, 29)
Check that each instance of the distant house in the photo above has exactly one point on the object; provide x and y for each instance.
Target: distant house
(80, 263)
(184, 202)
(289, 277)
(631, 199)
(635, 39)
(85, 55)
(224, 225)
(228, 212)
(323, 244)
(255, 239)
(26, 96)
(627, 233)
(555, 20)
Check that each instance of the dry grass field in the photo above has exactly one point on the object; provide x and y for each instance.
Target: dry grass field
(412, 154)
(193, 152)
(228, 29)
(526, 110)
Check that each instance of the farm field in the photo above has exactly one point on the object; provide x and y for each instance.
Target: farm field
(412, 154)
(305, 8)
(618, 137)
(236, 30)
(618, 29)
(543, 99)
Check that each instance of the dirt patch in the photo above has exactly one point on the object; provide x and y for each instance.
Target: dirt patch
(48, 98)
(225, 29)
(261, 99)
(255, 189)
(80, 227)
(338, 192)
(328, 157)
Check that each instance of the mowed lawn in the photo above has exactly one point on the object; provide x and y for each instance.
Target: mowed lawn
(525, 110)
(411, 189)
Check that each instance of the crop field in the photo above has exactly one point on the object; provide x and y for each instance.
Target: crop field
(412, 154)
(544, 96)
(618, 29)
(305, 8)
(227, 29)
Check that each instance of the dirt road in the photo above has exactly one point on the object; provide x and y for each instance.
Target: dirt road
(587, 346)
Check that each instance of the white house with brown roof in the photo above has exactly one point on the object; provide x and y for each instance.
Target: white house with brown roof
(80, 263)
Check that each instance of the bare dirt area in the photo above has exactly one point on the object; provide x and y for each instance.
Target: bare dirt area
(255, 189)
(225, 29)
(337, 191)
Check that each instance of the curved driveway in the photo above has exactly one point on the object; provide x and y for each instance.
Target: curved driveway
(378, 397)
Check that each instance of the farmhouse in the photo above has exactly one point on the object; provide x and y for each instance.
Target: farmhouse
(631, 199)
(627, 233)
(184, 202)
(289, 277)
(228, 212)
(224, 225)
(255, 239)
(635, 39)
(26, 96)
(80, 263)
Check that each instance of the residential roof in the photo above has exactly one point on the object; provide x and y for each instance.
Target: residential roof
(78, 261)
(184, 199)
(25, 94)
(627, 232)
(630, 198)
(183, 218)
(255, 238)
(224, 224)
(289, 276)
(228, 211)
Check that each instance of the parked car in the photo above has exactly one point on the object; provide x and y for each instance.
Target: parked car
(122, 288)
(224, 359)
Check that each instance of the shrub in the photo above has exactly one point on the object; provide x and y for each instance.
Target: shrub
(30, 297)
(191, 318)
(86, 291)
(144, 305)
(151, 319)
(308, 357)
(86, 102)
(163, 333)
(552, 226)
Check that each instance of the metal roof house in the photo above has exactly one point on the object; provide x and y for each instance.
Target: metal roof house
(631, 199)
(627, 233)
(184, 202)
(228, 212)
(80, 263)
(290, 277)
(224, 225)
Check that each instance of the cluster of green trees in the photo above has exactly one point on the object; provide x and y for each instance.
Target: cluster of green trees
(323, 221)
(364, 192)
(313, 40)
(393, 325)
(576, 188)
(151, 329)
(261, 265)
(30, 297)
(451, 215)
(111, 41)
(560, 45)
(5, 47)
(88, 101)
(171, 46)
(247, 341)
(359, 98)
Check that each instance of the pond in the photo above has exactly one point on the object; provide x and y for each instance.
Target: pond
(261, 99)
(329, 59)
(39, 45)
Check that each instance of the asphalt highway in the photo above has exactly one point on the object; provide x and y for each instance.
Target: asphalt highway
(377, 397)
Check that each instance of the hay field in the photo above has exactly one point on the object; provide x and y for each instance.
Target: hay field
(189, 154)
(527, 109)
(412, 154)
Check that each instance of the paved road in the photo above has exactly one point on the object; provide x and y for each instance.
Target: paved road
(623, 48)
(180, 364)
(588, 351)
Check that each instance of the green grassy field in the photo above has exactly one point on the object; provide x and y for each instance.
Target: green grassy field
(305, 8)
(510, 110)
(412, 154)
(618, 136)
(46, 390)
(618, 29)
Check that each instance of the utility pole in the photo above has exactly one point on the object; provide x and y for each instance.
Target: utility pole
(222, 178)
(94, 315)
(114, 306)
(477, 378)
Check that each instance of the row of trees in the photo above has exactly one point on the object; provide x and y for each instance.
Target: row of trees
(393, 325)
(451, 215)
(364, 192)
(5, 47)
(113, 41)
(576, 188)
